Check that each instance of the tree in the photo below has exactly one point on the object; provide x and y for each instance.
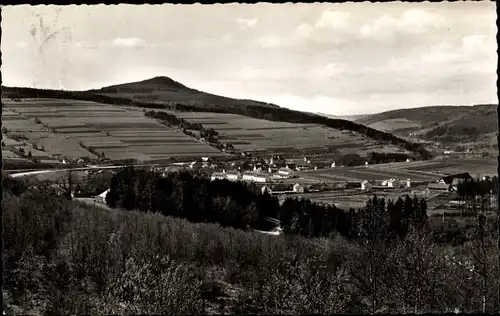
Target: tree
(369, 263)
(68, 181)
(483, 251)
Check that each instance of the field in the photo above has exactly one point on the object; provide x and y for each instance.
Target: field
(363, 173)
(249, 134)
(74, 129)
(476, 167)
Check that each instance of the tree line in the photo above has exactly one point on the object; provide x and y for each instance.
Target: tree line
(376, 158)
(241, 205)
(208, 133)
(478, 195)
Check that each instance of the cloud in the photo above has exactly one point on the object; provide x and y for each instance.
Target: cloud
(411, 21)
(129, 42)
(472, 50)
(333, 20)
(327, 71)
(248, 23)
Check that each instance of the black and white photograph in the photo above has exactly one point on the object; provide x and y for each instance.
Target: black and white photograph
(263, 159)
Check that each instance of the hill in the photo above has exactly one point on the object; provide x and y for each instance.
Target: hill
(344, 117)
(446, 124)
(165, 93)
(169, 91)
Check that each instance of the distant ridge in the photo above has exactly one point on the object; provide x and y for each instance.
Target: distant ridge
(451, 123)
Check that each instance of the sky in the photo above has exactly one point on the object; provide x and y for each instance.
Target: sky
(339, 59)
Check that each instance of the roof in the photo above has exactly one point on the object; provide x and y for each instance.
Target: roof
(449, 179)
(281, 186)
(103, 194)
(260, 175)
(365, 182)
(438, 186)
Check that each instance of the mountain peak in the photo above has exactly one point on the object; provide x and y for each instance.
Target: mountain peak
(163, 80)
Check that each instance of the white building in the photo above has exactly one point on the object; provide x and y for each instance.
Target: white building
(366, 164)
(218, 176)
(333, 165)
(101, 198)
(248, 176)
(393, 183)
(286, 172)
(366, 185)
(297, 188)
(260, 177)
(233, 175)
(408, 160)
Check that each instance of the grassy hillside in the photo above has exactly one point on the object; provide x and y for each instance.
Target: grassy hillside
(447, 124)
(165, 93)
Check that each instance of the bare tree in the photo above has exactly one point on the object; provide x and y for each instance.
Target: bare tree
(68, 179)
(369, 266)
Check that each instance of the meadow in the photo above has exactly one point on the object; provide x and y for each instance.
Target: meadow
(75, 129)
(476, 167)
(251, 134)
(364, 173)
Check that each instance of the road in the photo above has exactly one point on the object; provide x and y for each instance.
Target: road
(36, 172)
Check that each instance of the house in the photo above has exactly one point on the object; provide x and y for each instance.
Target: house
(233, 175)
(333, 165)
(366, 185)
(205, 159)
(248, 176)
(302, 166)
(408, 183)
(439, 187)
(455, 183)
(408, 160)
(101, 198)
(265, 189)
(393, 183)
(218, 176)
(286, 172)
(366, 163)
(281, 187)
(455, 179)
(297, 188)
(260, 177)
(194, 164)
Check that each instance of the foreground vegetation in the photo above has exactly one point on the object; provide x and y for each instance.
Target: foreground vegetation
(64, 258)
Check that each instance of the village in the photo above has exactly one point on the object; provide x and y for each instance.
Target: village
(284, 178)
